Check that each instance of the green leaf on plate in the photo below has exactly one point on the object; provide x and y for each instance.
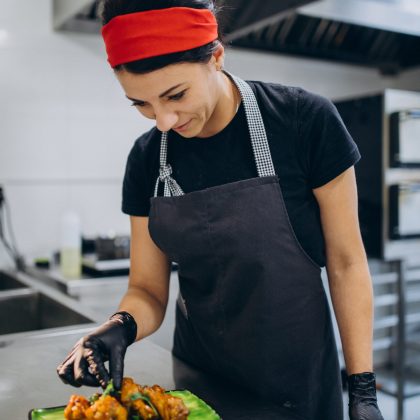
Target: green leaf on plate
(199, 410)
(56, 413)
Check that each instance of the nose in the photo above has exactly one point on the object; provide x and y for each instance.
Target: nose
(165, 120)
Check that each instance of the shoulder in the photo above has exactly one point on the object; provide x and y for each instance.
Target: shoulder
(276, 96)
(313, 105)
(145, 142)
(145, 146)
(273, 91)
(277, 102)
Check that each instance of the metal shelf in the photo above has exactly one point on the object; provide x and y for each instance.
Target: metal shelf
(412, 276)
(385, 382)
(386, 300)
(382, 343)
(392, 298)
(385, 278)
(392, 321)
(402, 381)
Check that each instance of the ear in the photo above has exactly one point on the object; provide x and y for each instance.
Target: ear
(219, 57)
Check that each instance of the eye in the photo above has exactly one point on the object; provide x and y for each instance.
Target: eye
(138, 103)
(177, 96)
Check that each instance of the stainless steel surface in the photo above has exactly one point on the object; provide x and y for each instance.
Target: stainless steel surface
(63, 10)
(102, 295)
(397, 377)
(375, 175)
(251, 17)
(8, 282)
(29, 380)
(33, 306)
(394, 100)
(401, 339)
(392, 16)
(384, 34)
(33, 310)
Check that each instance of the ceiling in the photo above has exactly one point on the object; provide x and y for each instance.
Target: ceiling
(382, 34)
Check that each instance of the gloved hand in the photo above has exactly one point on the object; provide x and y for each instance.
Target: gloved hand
(362, 397)
(85, 364)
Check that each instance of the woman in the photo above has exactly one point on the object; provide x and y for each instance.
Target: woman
(250, 188)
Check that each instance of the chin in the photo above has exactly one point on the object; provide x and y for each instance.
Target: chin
(192, 132)
(187, 135)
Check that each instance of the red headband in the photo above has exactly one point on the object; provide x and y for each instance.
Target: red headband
(135, 36)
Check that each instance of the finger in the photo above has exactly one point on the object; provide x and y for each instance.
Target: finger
(68, 357)
(82, 373)
(65, 372)
(65, 369)
(97, 366)
(116, 367)
(87, 376)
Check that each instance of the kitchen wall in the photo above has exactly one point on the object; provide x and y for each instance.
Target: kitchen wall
(66, 128)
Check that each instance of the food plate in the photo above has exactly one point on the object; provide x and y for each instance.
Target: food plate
(198, 409)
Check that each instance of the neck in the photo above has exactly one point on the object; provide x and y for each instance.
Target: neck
(226, 107)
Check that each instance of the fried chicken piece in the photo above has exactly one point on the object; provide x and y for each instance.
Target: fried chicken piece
(75, 409)
(168, 406)
(145, 412)
(128, 389)
(106, 408)
(137, 406)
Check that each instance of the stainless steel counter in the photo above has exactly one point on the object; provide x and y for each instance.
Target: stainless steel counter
(28, 378)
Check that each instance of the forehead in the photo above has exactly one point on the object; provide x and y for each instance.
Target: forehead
(152, 84)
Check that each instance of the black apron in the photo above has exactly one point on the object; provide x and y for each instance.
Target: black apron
(252, 306)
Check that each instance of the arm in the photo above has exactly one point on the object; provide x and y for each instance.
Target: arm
(351, 290)
(148, 288)
(145, 301)
(347, 268)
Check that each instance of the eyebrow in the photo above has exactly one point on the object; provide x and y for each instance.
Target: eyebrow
(161, 95)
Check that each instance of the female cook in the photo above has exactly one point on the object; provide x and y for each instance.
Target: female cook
(250, 188)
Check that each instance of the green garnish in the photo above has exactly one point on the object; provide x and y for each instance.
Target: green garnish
(93, 398)
(146, 399)
(111, 391)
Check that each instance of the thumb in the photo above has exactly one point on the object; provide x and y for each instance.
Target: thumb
(116, 366)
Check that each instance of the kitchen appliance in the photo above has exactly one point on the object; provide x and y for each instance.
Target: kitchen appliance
(386, 128)
(404, 210)
(405, 138)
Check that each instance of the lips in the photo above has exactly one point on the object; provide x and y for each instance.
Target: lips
(182, 126)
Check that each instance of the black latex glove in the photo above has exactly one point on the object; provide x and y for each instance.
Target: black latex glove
(85, 364)
(362, 397)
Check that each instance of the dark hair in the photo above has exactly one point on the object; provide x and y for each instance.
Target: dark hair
(112, 8)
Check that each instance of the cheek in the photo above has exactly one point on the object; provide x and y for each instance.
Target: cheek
(203, 108)
(193, 109)
(147, 113)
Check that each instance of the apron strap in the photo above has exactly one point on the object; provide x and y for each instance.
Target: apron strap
(257, 133)
(171, 187)
(256, 128)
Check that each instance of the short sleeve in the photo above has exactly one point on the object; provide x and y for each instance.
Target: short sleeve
(139, 174)
(328, 147)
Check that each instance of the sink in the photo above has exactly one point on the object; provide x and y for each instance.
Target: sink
(8, 282)
(29, 310)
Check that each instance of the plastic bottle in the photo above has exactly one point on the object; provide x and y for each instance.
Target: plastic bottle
(70, 246)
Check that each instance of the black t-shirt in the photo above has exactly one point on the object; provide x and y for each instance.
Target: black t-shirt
(309, 146)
